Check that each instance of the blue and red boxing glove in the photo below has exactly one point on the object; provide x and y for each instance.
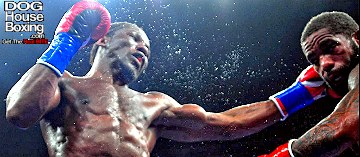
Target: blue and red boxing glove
(86, 22)
(281, 151)
(308, 88)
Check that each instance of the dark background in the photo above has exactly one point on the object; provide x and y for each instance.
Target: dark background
(216, 53)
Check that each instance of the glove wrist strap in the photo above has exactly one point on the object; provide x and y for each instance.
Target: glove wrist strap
(61, 50)
(289, 147)
(292, 99)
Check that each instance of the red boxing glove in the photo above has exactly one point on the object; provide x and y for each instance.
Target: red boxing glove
(281, 151)
(312, 82)
(308, 88)
(85, 23)
(86, 20)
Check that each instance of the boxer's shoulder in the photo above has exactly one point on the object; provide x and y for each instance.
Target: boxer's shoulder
(162, 98)
(354, 77)
(155, 94)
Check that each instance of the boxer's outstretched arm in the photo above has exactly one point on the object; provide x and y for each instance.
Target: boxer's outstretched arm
(32, 96)
(190, 122)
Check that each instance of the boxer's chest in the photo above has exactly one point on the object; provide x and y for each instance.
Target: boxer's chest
(91, 98)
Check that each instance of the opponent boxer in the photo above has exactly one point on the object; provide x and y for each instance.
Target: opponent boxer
(330, 42)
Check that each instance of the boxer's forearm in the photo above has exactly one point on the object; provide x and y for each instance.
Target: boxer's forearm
(335, 133)
(32, 96)
(320, 141)
(250, 119)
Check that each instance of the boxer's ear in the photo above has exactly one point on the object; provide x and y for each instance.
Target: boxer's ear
(356, 37)
(104, 41)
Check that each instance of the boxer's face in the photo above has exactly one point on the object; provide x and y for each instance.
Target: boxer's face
(129, 50)
(332, 57)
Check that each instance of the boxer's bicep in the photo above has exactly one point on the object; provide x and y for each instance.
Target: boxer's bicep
(191, 123)
(187, 116)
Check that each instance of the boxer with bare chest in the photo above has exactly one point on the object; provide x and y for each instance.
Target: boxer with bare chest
(98, 114)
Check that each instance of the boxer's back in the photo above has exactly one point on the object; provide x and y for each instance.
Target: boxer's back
(95, 118)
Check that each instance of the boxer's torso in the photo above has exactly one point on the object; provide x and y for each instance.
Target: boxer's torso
(95, 118)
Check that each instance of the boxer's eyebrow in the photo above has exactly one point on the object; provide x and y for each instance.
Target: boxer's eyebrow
(326, 44)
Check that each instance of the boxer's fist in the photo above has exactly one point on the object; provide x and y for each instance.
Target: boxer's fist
(308, 87)
(85, 23)
(86, 20)
(313, 83)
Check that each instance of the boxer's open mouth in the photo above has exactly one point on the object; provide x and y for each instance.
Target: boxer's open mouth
(139, 57)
